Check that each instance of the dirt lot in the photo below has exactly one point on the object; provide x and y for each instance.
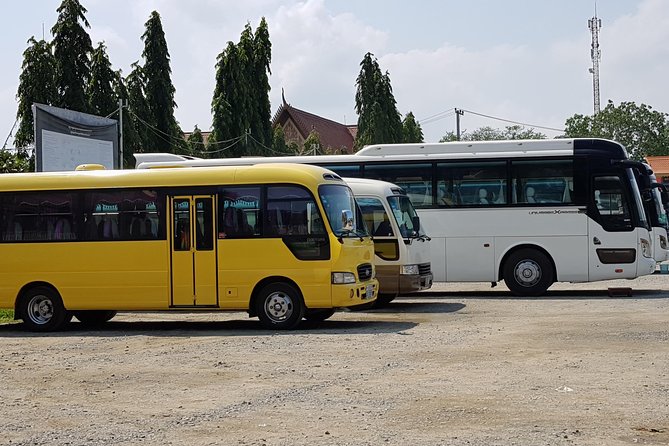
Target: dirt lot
(448, 366)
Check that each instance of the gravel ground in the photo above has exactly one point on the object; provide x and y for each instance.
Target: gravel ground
(461, 364)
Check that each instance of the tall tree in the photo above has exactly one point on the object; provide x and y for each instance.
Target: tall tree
(261, 122)
(159, 89)
(412, 130)
(227, 106)
(101, 96)
(641, 129)
(240, 106)
(379, 121)
(138, 110)
(72, 47)
(246, 91)
(37, 84)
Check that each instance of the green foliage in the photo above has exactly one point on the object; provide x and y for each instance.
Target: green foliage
(101, 97)
(37, 84)
(6, 316)
(412, 130)
(195, 142)
(312, 145)
(228, 105)
(492, 134)
(641, 129)
(240, 105)
(279, 146)
(159, 90)
(261, 125)
(72, 46)
(379, 121)
(137, 108)
(16, 162)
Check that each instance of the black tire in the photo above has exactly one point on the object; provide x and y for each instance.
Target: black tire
(528, 272)
(319, 314)
(279, 306)
(94, 317)
(384, 299)
(42, 310)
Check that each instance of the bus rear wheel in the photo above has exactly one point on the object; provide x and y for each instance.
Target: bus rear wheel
(42, 310)
(528, 272)
(279, 306)
(94, 317)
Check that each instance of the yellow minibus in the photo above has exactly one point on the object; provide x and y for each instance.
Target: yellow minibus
(281, 241)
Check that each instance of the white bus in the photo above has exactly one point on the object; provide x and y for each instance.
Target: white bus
(529, 212)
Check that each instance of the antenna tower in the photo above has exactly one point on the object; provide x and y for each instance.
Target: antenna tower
(594, 25)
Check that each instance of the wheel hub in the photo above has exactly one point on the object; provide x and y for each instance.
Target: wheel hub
(279, 306)
(528, 273)
(41, 309)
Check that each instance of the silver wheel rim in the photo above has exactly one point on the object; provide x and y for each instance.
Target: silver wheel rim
(40, 309)
(527, 273)
(278, 306)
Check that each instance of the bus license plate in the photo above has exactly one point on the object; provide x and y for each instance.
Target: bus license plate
(370, 291)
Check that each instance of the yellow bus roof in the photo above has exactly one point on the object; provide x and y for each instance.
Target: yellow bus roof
(304, 174)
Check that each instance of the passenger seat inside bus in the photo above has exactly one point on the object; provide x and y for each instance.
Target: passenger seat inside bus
(483, 196)
(529, 195)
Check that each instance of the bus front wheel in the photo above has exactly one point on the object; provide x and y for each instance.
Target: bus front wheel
(528, 272)
(279, 306)
(94, 317)
(41, 309)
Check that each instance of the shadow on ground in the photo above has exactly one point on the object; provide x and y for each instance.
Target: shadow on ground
(191, 328)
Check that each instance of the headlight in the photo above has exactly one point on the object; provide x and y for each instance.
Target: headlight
(409, 270)
(663, 242)
(645, 248)
(343, 278)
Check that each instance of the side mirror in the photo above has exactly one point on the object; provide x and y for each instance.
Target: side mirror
(347, 220)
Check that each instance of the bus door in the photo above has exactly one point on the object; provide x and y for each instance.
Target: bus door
(612, 235)
(193, 251)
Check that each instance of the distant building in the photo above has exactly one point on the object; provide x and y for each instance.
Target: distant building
(298, 124)
(660, 166)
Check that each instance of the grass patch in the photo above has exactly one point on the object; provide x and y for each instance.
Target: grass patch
(6, 316)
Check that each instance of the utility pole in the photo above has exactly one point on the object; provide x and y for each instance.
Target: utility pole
(120, 129)
(458, 113)
(594, 24)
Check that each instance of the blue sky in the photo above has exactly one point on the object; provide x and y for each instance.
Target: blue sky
(520, 60)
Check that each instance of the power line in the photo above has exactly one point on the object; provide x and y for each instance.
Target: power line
(452, 112)
(513, 122)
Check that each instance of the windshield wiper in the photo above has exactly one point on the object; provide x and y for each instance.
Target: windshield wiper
(353, 232)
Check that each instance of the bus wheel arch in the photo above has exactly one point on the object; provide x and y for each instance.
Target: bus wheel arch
(40, 306)
(527, 270)
(278, 303)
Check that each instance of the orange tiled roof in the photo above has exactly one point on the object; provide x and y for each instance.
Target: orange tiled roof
(332, 134)
(659, 164)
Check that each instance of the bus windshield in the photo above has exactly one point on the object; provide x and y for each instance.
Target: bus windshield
(342, 211)
(405, 215)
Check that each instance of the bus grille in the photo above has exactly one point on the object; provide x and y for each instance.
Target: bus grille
(423, 269)
(365, 271)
